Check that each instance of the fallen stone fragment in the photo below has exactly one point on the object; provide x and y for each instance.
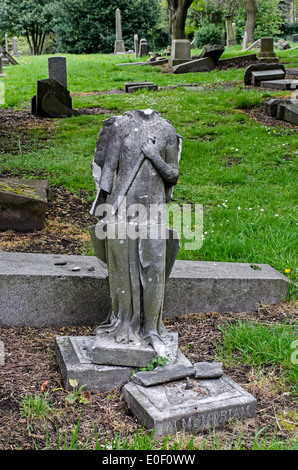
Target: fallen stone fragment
(208, 370)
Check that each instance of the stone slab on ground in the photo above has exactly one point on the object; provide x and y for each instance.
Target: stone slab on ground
(198, 65)
(259, 76)
(259, 68)
(23, 204)
(74, 353)
(129, 85)
(282, 84)
(283, 109)
(173, 407)
(239, 58)
(35, 291)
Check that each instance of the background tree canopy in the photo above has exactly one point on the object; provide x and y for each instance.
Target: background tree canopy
(89, 27)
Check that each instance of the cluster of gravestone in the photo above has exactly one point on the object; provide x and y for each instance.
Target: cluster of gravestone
(52, 97)
(272, 75)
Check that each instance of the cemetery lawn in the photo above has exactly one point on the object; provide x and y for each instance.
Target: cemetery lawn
(236, 162)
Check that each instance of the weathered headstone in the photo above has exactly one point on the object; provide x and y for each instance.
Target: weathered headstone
(231, 39)
(0, 65)
(259, 76)
(283, 84)
(51, 100)
(7, 56)
(143, 48)
(57, 70)
(245, 41)
(283, 109)
(278, 72)
(136, 45)
(6, 43)
(119, 43)
(180, 52)
(23, 204)
(267, 53)
(15, 47)
(295, 38)
(198, 65)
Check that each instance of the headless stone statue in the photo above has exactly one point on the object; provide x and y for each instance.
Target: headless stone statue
(135, 166)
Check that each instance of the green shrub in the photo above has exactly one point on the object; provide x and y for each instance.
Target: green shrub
(208, 34)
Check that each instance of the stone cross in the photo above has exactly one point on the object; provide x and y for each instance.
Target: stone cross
(57, 70)
(119, 43)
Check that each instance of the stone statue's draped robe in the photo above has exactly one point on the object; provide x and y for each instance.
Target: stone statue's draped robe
(136, 264)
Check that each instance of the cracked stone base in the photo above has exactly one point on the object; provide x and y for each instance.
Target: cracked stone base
(172, 407)
(74, 356)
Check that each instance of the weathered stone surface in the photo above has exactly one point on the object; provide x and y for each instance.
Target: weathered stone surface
(238, 58)
(57, 70)
(119, 43)
(282, 84)
(107, 351)
(266, 53)
(180, 52)
(143, 48)
(52, 100)
(271, 106)
(230, 32)
(214, 51)
(170, 408)
(178, 370)
(7, 56)
(208, 370)
(74, 357)
(23, 204)
(34, 291)
(259, 76)
(260, 68)
(132, 87)
(295, 37)
(288, 112)
(198, 65)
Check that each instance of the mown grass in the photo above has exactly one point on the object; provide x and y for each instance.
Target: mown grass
(242, 171)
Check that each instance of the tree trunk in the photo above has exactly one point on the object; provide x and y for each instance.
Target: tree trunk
(177, 14)
(251, 18)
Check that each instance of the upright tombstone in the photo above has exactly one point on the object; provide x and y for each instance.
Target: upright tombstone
(119, 43)
(6, 43)
(267, 53)
(136, 45)
(57, 70)
(15, 47)
(180, 52)
(144, 48)
(231, 39)
(244, 44)
(295, 38)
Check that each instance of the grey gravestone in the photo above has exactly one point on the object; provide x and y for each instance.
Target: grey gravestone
(199, 65)
(57, 70)
(283, 109)
(214, 51)
(189, 405)
(23, 204)
(283, 84)
(262, 68)
(15, 47)
(295, 37)
(267, 53)
(259, 76)
(52, 100)
(231, 40)
(10, 59)
(0, 65)
(180, 52)
(119, 43)
(6, 43)
(144, 48)
(136, 45)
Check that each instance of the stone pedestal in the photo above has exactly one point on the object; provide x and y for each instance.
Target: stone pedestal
(266, 53)
(180, 52)
(119, 46)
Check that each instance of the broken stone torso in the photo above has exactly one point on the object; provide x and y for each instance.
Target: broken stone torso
(122, 166)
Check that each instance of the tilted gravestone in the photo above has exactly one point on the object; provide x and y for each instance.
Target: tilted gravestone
(52, 100)
(23, 204)
(57, 70)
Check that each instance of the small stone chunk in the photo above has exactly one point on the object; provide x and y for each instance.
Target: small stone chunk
(208, 370)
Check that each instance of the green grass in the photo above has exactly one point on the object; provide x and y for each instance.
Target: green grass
(260, 345)
(243, 172)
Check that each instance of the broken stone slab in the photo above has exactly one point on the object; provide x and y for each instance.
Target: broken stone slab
(214, 51)
(74, 357)
(208, 370)
(198, 65)
(129, 85)
(273, 104)
(288, 112)
(260, 68)
(52, 100)
(178, 370)
(282, 84)
(189, 405)
(259, 76)
(133, 89)
(140, 353)
(23, 204)
(9, 58)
